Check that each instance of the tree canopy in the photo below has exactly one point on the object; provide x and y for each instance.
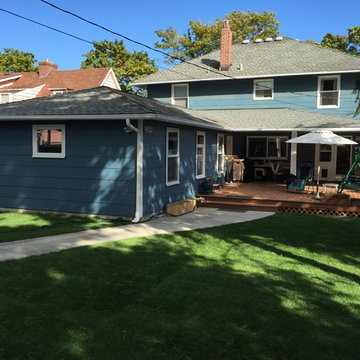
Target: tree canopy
(12, 61)
(349, 44)
(201, 38)
(127, 66)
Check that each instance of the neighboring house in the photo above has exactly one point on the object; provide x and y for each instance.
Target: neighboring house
(102, 151)
(50, 81)
(268, 91)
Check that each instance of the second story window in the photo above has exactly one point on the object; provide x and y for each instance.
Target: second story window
(5, 98)
(263, 89)
(328, 91)
(180, 95)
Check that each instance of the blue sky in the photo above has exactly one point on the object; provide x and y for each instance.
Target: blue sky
(303, 20)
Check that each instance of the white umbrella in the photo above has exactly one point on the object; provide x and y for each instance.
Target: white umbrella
(321, 137)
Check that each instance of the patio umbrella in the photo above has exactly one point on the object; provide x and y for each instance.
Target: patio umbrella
(323, 137)
(320, 136)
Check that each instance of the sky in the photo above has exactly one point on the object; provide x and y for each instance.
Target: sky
(138, 19)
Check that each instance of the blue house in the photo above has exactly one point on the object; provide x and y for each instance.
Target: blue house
(102, 151)
(270, 90)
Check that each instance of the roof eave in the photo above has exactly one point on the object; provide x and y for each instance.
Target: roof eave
(231, 77)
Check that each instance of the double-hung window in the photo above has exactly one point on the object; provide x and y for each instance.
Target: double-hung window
(180, 95)
(263, 89)
(172, 156)
(48, 141)
(200, 154)
(328, 92)
(220, 153)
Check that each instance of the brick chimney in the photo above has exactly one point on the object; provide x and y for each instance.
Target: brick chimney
(225, 47)
(46, 67)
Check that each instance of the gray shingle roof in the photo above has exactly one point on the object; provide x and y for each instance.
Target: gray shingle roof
(102, 103)
(273, 58)
(281, 119)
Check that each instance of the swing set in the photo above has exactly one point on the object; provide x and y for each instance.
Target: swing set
(352, 180)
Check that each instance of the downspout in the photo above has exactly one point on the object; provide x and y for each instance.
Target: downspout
(139, 168)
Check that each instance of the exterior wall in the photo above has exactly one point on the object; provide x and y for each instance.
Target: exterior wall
(297, 92)
(27, 93)
(156, 193)
(97, 175)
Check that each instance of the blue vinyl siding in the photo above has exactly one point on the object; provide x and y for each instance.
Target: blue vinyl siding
(156, 194)
(97, 176)
(296, 92)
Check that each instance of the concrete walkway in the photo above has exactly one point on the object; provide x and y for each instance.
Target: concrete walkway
(199, 219)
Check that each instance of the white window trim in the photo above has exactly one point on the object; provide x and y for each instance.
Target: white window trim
(11, 97)
(219, 153)
(203, 146)
(174, 182)
(173, 86)
(37, 154)
(320, 78)
(266, 157)
(263, 98)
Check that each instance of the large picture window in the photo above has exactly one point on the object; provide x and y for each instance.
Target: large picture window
(220, 153)
(172, 156)
(200, 154)
(180, 95)
(329, 91)
(267, 147)
(48, 141)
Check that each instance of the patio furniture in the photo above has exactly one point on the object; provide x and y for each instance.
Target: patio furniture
(299, 183)
(324, 186)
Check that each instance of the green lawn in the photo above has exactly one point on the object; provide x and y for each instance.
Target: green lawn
(283, 287)
(16, 226)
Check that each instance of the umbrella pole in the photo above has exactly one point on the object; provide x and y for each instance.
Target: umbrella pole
(317, 196)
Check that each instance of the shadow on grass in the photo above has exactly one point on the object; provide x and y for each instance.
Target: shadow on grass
(19, 226)
(194, 295)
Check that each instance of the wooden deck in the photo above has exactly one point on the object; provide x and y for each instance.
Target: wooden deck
(270, 196)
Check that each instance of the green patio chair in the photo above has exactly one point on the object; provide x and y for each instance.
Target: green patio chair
(298, 183)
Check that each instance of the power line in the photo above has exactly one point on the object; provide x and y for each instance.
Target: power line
(73, 36)
(208, 69)
(45, 26)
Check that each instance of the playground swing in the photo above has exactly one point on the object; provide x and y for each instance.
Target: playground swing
(352, 181)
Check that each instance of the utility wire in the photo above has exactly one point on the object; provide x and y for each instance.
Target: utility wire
(135, 41)
(45, 26)
(74, 36)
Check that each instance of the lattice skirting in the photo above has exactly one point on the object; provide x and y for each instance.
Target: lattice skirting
(327, 212)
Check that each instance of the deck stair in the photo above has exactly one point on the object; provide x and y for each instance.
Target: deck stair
(330, 205)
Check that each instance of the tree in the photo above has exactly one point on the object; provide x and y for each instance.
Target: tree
(12, 61)
(349, 44)
(127, 66)
(200, 38)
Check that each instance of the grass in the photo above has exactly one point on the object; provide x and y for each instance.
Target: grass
(16, 226)
(283, 287)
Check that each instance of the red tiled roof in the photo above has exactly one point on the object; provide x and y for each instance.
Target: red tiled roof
(65, 80)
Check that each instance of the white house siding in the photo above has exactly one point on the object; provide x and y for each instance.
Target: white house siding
(27, 93)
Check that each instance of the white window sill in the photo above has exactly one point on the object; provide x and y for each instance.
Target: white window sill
(49, 156)
(200, 177)
(262, 99)
(172, 183)
(328, 107)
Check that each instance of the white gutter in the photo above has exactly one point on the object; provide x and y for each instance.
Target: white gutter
(139, 168)
(11, 78)
(234, 77)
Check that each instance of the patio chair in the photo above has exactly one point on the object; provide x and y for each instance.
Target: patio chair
(298, 183)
